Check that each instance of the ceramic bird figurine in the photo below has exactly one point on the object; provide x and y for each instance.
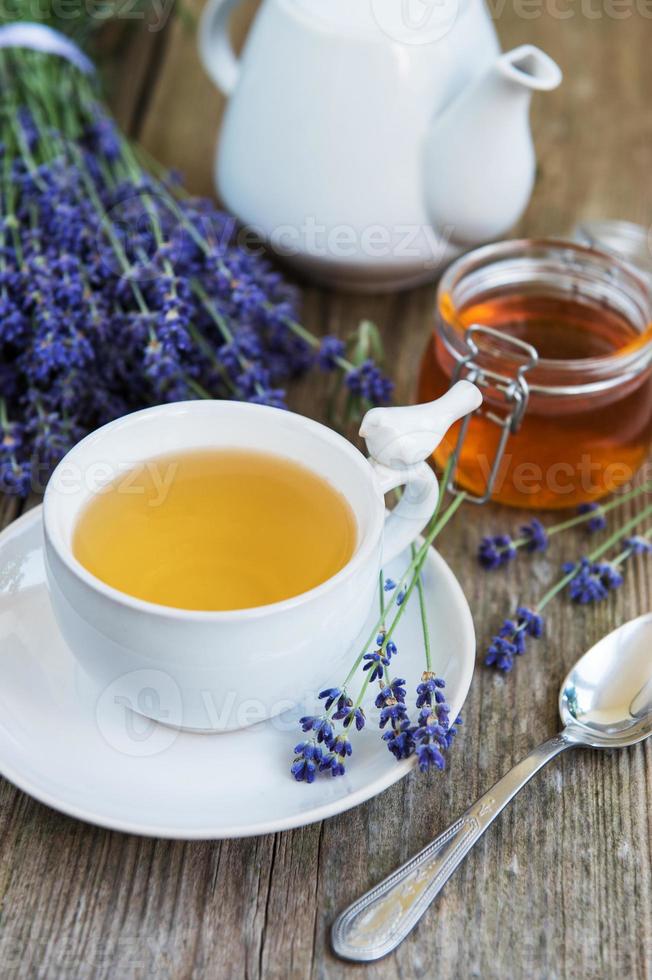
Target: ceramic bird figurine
(405, 436)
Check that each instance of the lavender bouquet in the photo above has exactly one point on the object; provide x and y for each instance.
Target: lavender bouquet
(117, 290)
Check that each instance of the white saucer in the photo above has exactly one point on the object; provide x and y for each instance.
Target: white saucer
(78, 751)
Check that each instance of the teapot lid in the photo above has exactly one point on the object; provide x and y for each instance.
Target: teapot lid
(356, 14)
(407, 22)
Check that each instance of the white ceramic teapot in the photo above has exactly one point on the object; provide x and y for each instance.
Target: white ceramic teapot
(369, 148)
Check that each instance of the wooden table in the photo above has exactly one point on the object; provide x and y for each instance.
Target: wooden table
(561, 886)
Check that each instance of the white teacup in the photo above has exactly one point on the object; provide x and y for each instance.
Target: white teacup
(215, 671)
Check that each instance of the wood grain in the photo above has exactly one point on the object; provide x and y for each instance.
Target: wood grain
(561, 886)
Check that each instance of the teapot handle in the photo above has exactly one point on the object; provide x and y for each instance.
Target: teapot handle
(214, 42)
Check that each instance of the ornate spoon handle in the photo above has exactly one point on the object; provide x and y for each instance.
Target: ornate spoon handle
(380, 920)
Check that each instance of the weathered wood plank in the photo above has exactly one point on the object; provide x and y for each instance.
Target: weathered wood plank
(129, 62)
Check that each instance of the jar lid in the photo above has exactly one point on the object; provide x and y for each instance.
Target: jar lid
(624, 239)
(560, 269)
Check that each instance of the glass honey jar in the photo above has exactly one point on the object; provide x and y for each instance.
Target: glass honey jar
(559, 338)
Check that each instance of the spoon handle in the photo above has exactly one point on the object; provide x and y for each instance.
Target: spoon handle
(380, 920)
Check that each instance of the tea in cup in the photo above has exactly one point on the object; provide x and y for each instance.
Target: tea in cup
(216, 529)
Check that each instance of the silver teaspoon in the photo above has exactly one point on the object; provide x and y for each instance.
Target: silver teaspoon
(605, 702)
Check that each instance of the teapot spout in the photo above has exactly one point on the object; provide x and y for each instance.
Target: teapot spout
(530, 68)
(479, 162)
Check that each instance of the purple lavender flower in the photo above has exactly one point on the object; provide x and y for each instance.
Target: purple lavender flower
(16, 477)
(594, 524)
(272, 397)
(393, 711)
(391, 701)
(331, 695)
(103, 138)
(380, 658)
(593, 581)
(333, 764)
(429, 753)
(341, 746)
(27, 127)
(400, 740)
(501, 653)
(12, 437)
(13, 322)
(357, 716)
(430, 690)
(308, 756)
(330, 350)
(395, 689)
(343, 707)
(496, 551)
(530, 622)
(368, 382)
(433, 737)
(320, 725)
(535, 536)
(375, 662)
(638, 545)
(510, 641)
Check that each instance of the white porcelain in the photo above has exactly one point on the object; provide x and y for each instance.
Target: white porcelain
(231, 669)
(79, 748)
(403, 436)
(370, 141)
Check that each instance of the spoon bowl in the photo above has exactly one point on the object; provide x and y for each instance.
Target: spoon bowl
(606, 699)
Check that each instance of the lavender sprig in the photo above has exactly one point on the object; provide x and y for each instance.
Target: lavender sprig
(594, 580)
(596, 519)
(432, 733)
(588, 580)
(497, 551)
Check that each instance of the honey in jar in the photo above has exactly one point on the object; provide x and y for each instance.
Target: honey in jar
(561, 339)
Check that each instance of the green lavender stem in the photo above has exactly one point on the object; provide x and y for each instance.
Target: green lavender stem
(424, 619)
(420, 559)
(406, 585)
(601, 511)
(413, 574)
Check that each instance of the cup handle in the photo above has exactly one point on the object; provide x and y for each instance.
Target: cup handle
(214, 43)
(407, 520)
(399, 441)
